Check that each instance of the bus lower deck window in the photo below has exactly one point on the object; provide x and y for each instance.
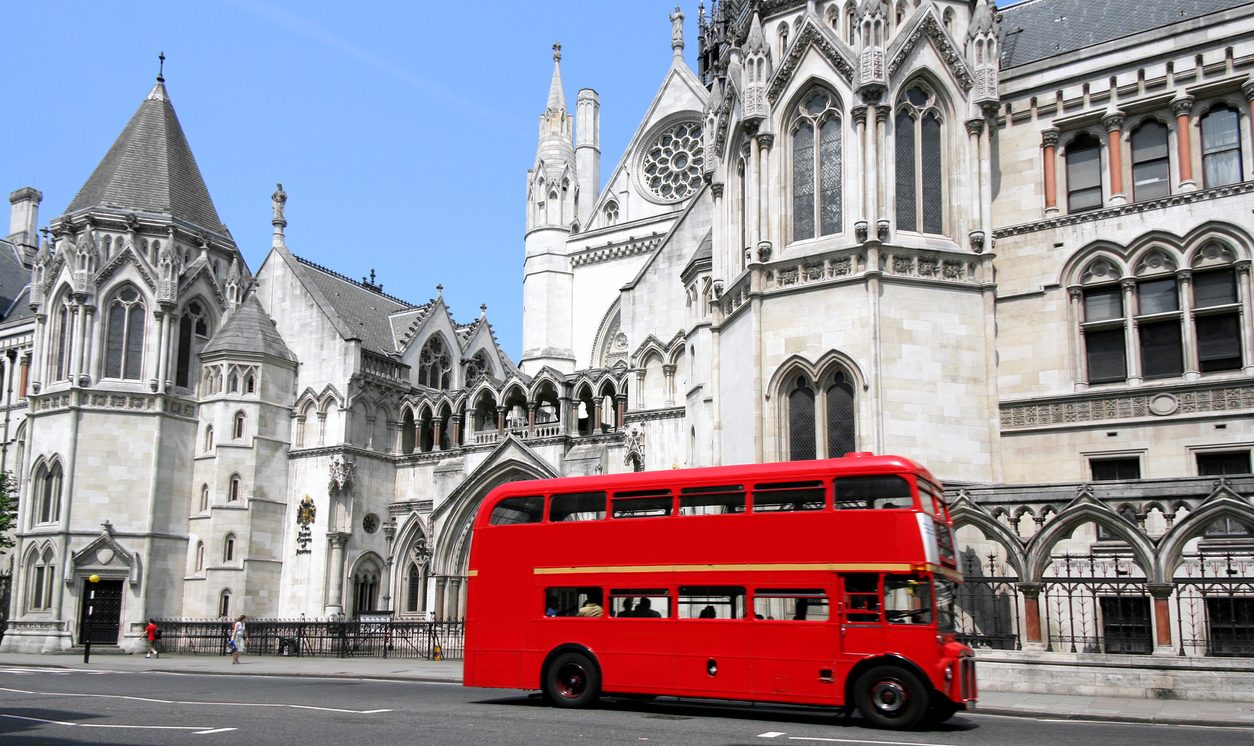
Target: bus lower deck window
(572, 601)
(796, 604)
(640, 603)
(907, 599)
(711, 602)
(862, 598)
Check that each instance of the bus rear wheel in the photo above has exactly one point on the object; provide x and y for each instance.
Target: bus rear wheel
(572, 680)
(891, 697)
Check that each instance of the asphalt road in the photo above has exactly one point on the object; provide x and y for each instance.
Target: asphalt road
(41, 706)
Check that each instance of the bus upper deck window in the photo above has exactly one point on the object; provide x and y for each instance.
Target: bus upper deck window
(781, 496)
(713, 500)
(577, 506)
(882, 492)
(517, 510)
(642, 504)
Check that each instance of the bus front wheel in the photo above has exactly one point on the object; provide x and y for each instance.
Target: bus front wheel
(891, 697)
(572, 680)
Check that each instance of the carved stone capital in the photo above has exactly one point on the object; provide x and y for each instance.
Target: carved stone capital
(859, 114)
(1182, 106)
(1113, 121)
(1030, 590)
(764, 251)
(860, 231)
(1049, 137)
(977, 241)
(881, 230)
(716, 189)
(1248, 89)
(975, 127)
(766, 140)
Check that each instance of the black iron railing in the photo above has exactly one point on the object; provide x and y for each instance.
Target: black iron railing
(323, 638)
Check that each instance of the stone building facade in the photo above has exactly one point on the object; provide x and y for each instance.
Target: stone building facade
(1014, 245)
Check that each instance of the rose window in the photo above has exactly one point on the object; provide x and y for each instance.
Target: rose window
(671, 168)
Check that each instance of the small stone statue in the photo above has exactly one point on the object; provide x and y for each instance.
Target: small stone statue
(277, 201)
(677, 29)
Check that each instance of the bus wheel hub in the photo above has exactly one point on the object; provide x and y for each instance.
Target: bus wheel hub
(889, 696)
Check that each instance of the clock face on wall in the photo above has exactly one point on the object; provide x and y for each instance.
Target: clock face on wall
(670, 168)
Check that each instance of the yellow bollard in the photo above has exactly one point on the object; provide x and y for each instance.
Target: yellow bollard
(436, 653)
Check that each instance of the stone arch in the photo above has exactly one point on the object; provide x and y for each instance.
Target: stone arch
(1100, 261)
(966, 513)
(1086, 509)
(1223, 503)
(1233, 242)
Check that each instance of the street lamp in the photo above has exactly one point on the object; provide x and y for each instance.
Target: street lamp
(91, 600)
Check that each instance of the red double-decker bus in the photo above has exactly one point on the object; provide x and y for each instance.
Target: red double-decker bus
(824, 583)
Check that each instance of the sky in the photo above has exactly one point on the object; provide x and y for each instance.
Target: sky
(401, 131)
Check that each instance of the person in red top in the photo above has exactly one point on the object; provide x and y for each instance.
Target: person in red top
(151, 633)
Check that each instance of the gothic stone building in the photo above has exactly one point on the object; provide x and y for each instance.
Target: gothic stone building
(1014, 245)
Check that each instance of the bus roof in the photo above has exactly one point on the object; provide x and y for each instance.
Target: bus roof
(853, 463)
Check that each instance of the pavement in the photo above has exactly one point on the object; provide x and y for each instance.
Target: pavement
(1015, 704)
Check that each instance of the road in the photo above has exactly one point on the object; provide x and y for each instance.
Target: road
(44, 706)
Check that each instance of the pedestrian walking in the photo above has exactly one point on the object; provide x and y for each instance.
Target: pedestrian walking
(153, 633)
(236, 644)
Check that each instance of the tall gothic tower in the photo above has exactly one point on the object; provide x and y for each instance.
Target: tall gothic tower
(552, 186)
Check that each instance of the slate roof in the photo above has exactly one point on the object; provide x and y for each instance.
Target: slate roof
(14, 282)
(1039, 29)
(363, 311)
(249, 329)
(150, 168)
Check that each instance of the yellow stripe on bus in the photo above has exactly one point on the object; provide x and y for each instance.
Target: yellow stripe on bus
(778, 567)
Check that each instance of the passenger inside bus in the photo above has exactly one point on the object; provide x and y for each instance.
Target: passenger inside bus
(645, 609)
(591, 605)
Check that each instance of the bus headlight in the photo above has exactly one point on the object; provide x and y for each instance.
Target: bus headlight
(949, 673)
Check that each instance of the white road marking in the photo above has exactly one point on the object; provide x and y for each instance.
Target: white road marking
(773, 734)
(183, 702)
(215, 730)
(105, 725)
(53, 671)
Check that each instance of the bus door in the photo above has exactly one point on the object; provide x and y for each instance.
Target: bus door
(862, 632)
(713, 652)
(794, 652)
(637, 653)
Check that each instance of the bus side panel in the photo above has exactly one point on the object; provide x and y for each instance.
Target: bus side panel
(796, 661)
(713, 657)
(638, 656)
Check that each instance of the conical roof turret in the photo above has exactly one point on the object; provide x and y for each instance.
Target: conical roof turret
(150, 169)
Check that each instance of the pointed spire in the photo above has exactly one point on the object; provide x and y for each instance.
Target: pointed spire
(557, 101)
(158, 89)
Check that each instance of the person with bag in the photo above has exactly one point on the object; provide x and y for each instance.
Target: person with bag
(153, 633)
(235, 645)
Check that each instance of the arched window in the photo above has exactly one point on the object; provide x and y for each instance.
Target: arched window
(816, 166)
(413, 588)
(204, 498)
(366, 588)
(40, 581)
(919, 163)
(124, 341)
(228, 548)
(61, 352)
(434, 364)
(1151, 166)
(232, 382)
(801, 445)
(238, 432)
(1217, 315)
(48, 484)
(407, 432)
(233, 489)
(1084, 173)
(193, 333)
(820, 421)
(1221, 147)
(208, 437)
(477, 367)
(250, 384)
(200, 557)
(224, 603)
(611, 212)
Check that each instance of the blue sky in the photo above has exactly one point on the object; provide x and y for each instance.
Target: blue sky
(401, 131)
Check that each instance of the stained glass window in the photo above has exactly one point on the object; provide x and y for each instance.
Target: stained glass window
(817, 152)
(124, 344)
(919, 162)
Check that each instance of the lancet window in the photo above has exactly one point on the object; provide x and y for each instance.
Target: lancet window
(919, 163)
(816, 166)
(124, 342)
(435, 365)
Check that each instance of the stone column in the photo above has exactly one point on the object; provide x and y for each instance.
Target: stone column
(668, 388)
(163, 351)
(1183, 107)
(456, 604)
(859, 123)
(975, 128)
(1188, 341)
(40, 343)
(335, 570)
(435, 433)
(1049, 162)
(1246, 297)
(78, 340)
(640, 389)
(25, 375)
(439, 598)
(568, 416)
(322, 428)
(531, 416)
(455, 439)
(1161, 593)
(500, 420)
(751, 195)
(765, 140)
(1075, 298)
(1131, 344)
(594, 427)
(620, 410)
(871, 159)
(1033, 639)
(1114, 126)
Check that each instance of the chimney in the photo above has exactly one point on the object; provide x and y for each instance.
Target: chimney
(22, 220)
